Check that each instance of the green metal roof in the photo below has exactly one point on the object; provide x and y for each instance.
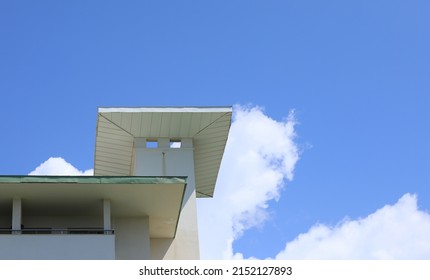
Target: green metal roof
(94, 179)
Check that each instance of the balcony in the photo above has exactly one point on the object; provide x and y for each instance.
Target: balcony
(59, 244)
(56, 231)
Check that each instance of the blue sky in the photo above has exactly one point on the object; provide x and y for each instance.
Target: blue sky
(355, 72)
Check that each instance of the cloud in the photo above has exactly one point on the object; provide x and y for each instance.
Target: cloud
(260, 156)
(58, 166)
(399, 231)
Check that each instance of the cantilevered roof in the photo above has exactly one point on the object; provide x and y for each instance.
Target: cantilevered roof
(117, 129)
(159, 198)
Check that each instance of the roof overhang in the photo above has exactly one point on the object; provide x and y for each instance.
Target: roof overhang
(158, 198)
(117, 129)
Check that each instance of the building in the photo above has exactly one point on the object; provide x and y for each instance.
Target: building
(150, 166)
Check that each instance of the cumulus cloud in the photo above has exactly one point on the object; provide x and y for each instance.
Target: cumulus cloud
(58, 166)
(399, 231)
(260, 156)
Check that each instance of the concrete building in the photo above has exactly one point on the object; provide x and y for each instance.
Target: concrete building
(150, 166)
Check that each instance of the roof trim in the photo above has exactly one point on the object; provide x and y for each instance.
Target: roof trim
(93, 179)
(220, 109)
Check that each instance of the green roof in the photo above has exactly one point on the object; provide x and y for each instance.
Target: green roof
(94, 179)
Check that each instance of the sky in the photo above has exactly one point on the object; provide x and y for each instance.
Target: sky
(328, 154)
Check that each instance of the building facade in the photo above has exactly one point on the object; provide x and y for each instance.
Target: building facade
(151, 164)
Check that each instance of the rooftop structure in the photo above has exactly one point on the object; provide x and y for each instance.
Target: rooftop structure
(204, 129)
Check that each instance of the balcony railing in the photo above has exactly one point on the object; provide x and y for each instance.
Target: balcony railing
(56, 231)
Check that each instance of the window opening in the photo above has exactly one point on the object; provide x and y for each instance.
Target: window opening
(150, 144)
(175, 144)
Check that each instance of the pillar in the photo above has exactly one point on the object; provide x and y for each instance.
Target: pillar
(16, 215)
(106, 215)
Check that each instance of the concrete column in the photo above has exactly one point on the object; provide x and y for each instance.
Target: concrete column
(150, 162)
(106, 215)
(16, 214)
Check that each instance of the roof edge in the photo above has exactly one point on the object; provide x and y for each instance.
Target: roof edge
(16, 179)
(216, 109)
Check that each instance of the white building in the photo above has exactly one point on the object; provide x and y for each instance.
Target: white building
(150, 166)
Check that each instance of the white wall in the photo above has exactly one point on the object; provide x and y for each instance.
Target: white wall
(58, 247)
(161, 248)
(166, 161)
(132, 238)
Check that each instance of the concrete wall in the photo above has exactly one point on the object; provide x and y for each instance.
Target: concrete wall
(161, 248)
(132, 238)
(166, 161)
(58, 247)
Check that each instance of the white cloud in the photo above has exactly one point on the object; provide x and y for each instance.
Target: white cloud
(399, 231)
(58, 166)
(260, 155)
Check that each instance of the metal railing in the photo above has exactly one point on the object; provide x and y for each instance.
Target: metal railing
(56, 231)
